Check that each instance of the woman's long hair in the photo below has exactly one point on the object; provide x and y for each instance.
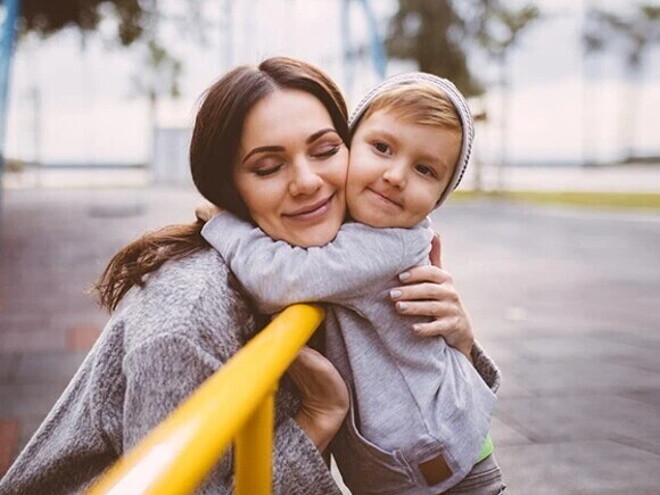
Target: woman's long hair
(213, 148)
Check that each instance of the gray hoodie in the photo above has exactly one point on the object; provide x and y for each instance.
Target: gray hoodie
(414, 398)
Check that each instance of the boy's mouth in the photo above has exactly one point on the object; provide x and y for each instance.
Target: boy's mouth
(386, 198)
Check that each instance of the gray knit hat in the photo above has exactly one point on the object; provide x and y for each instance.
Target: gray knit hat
(454, 96)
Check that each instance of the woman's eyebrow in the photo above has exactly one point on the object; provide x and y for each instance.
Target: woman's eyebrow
(262, 149)
(318, 134)
(266, 149)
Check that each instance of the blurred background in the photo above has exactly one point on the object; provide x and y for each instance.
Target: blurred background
(114, 83)
(553, 236)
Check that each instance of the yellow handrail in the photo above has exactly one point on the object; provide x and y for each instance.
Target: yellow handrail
(236, 402)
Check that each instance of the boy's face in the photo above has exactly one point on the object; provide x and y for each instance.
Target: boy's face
(397, 171)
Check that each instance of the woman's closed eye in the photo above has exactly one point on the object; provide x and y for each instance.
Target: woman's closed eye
(327, 151)
(267, 170)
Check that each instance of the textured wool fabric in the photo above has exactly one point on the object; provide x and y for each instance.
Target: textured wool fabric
(159, 346)
(454, 95)
(413, 395)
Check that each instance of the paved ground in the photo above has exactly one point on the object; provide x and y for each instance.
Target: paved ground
(565, 300)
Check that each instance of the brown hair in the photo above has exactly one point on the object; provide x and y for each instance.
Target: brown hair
(417, 103)
(215, 141)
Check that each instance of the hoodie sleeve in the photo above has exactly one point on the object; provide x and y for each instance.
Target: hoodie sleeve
(277, 274)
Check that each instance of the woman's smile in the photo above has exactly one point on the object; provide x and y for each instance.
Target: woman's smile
(314, 212)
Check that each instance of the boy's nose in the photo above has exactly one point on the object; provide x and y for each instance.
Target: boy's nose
(396, 175)
(305, 180)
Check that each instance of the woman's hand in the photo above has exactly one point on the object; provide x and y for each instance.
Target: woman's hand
(205, 210)
(323, 394)
(430, 291)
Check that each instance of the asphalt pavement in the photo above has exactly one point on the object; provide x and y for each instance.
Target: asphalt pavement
(566, 301)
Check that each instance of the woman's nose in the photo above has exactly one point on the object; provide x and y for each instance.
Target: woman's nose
(305, 180)
(395, 175)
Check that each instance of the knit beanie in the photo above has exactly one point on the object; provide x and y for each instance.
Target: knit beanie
(454, 95)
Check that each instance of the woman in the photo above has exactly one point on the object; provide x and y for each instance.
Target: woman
(180, 314)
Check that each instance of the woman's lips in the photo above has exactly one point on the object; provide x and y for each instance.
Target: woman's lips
(311, 212)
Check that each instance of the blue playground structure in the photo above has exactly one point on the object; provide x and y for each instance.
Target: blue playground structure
(8, 16)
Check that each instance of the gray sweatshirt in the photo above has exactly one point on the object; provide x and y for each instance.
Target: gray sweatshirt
(414, 398)
(157, 348)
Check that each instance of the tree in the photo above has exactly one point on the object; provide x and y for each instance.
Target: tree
(47, 17)
(632, 33)
(140, 23)
(499, 32)
(431, 32)
(134, 18)
(158, 77)
(440, 34)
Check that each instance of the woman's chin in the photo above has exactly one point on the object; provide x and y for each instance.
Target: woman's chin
(314, 236)
(315, 239)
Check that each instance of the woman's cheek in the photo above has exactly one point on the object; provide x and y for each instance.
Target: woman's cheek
(340, 169)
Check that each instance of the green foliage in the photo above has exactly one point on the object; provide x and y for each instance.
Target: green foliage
(138, 22)
(500, 28)
(159, 74)
(632, 32)
(49, 16)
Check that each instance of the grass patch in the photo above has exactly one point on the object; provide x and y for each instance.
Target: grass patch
(587, 199)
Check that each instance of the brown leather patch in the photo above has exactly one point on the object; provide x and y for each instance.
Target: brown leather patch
(435, 470)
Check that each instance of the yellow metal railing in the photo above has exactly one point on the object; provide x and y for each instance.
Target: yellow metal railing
(178, 454)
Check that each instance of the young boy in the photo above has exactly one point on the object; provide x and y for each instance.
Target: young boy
(420, 412)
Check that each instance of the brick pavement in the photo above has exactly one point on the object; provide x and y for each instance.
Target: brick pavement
(579, 411)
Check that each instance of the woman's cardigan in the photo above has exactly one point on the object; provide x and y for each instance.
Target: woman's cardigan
(163, 341)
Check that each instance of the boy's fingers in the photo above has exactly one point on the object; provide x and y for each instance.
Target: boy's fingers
(436, 251)
(205, 210)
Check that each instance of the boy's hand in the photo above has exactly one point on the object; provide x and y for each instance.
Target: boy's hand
(430, 291)
(435, 255)
(205, 210)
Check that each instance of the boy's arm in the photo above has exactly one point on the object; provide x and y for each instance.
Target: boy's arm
(278, 274)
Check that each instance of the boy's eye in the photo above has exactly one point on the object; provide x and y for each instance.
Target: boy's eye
(425, 170)
(381, 147)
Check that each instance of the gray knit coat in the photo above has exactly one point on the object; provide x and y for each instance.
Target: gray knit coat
(158, 347)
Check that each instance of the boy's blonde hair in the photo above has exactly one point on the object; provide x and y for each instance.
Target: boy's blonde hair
(417, 103)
